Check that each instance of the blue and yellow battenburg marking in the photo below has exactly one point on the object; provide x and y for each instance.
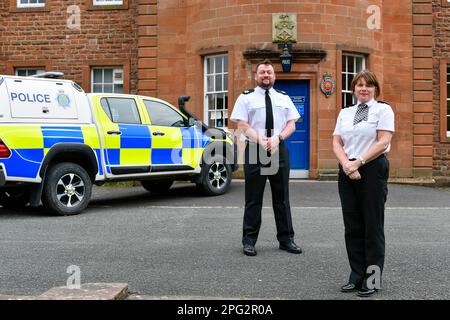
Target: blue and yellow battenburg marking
(30, 144)
(137, 145)
(155, 145)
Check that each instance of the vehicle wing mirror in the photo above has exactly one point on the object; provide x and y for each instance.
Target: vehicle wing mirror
(198, 124)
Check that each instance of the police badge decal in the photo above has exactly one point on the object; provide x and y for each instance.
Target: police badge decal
(327, 86)
(63, 99)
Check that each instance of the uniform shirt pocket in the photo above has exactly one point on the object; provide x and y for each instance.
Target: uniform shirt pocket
(256, 112)
(373, 119)
(347, 125)
(281, 112)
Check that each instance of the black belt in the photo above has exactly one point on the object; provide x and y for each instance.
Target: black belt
(380, 156)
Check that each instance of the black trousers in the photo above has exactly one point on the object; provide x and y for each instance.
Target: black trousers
(363, 210)
(255, 182)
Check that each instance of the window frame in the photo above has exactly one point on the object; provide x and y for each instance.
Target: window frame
(225, 89)
(99, 6)
(345, 73)
(447, 100)
(27, 69)
(87, 74)
(107, 3)
(29, 5)
(110, 114)
(113, 68)
(168, 107)
(444, 96)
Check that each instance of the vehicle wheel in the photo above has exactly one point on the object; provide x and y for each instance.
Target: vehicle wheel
(157, 186)
(67, 189)
(216, 176)
(14, 197)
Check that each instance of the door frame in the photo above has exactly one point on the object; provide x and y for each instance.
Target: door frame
(304, 87)
(313, 115)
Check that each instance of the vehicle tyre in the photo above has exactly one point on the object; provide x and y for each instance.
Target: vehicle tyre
(157, 186)
(14, 197)
(216, 176)
(67, 189)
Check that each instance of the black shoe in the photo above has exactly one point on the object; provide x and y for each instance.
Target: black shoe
(291, 247)
(366, 292)
(249, 250)
(350, 287)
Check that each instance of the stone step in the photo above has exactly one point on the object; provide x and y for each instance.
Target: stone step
(87, 291)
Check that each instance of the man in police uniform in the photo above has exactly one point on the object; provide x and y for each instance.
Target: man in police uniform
(266, 117)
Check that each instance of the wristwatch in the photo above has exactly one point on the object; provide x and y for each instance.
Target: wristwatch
(280, 138)
(363, 162)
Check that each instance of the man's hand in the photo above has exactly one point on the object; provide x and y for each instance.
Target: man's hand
(273, 143)
(263, 141)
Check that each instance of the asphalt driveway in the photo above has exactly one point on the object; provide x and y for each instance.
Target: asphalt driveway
(182, 244)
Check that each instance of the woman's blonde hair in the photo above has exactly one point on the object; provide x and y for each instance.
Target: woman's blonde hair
(371, 80)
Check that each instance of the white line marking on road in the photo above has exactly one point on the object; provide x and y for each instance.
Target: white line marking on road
(304, 208)
(418, 208)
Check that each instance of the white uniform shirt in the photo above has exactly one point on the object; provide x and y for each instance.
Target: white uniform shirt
(251, 108)
(359, 138)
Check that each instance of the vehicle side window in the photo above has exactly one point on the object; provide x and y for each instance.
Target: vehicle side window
(162, 115)
(121, 110)
(105, 108)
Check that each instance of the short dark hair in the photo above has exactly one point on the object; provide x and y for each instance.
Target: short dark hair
(266, 62)
(370, 78)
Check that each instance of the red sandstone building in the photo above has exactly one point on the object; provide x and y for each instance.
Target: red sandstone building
(208, 49)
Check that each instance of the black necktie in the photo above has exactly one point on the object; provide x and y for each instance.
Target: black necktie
(361, 113)
(269, 115)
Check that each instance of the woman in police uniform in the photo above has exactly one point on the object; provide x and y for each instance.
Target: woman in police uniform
(361, 139)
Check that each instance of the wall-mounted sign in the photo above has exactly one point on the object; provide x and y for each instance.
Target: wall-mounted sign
(286, 60)
(299, 103)
(327, 86)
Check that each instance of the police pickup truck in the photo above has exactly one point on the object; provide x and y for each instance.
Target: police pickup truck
(56, 141)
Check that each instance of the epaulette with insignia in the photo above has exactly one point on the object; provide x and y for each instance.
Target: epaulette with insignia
(281, 91)
(248, 91)
(379, 101)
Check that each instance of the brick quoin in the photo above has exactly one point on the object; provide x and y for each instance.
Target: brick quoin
(423, 93)
(441, 50)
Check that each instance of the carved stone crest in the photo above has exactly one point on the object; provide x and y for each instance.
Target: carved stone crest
(284, 27)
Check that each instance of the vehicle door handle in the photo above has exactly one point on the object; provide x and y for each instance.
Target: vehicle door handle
(157, 133)
(113, 132)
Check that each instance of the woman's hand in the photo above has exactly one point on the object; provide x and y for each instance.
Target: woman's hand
(350, 166)
(355, 175)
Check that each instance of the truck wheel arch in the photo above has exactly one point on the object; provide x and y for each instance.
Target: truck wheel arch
(65, 152)
(225, 149)
(78, 153)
